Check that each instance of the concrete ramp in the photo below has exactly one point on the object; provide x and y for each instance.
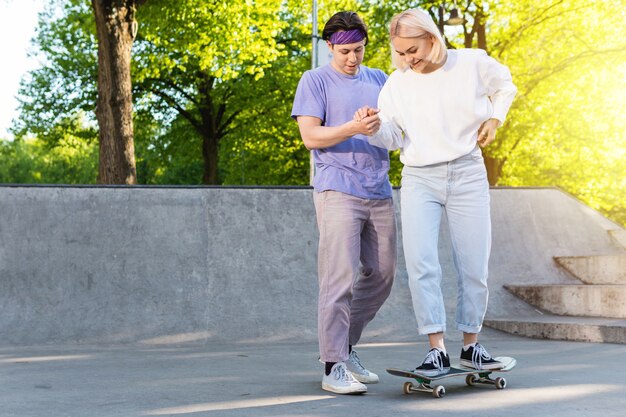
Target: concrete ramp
(575, 300)
(161, 265)
(619, 236)
(580, 329)
(598, 269)
(531, 226)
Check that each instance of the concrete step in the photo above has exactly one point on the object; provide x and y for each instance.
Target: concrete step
(602, 269)
(619, 236)
(582, 329)
(575, 300)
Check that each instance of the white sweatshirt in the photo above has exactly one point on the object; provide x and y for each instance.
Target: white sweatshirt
(435, 117)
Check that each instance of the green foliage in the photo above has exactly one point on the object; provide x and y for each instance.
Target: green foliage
(167, 156)
(569, 63)
(265, 148)
(72, 159)
(64, 85)
(246, 76)
(225, 39)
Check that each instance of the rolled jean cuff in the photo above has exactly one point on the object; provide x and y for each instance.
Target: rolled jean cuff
(433, 328)
(469, 329)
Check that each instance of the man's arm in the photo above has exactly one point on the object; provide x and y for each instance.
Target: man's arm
(316, 136)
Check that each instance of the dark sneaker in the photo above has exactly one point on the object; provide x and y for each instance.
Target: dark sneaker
(435, 364)
(477, 357)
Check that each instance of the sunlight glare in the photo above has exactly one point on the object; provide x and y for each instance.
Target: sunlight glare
(523, 396)
(45, 358)
(232, 405)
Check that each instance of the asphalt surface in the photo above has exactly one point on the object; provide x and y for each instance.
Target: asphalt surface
(553, 378)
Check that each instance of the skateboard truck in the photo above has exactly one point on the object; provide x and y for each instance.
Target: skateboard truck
(438, 391)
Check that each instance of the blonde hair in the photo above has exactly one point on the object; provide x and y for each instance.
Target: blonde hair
(414, 23)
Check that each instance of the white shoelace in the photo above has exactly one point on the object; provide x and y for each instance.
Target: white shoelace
(340, 373)
(478, 355)
(354, 358)
(434, 357)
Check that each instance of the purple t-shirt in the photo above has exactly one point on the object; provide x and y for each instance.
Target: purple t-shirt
(354, 166)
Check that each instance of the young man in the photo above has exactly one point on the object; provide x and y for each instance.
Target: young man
(355, 214)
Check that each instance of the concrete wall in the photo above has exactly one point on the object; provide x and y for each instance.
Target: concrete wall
(170, 265)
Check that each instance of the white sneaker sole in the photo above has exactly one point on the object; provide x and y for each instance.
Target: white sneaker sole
(344, 390)
(486, 367)
(366, 379)
(433, 373)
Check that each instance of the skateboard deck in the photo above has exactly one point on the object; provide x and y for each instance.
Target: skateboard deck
(472, 377)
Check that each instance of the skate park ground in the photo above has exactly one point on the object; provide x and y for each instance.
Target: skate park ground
(130, 301)
(553, 378)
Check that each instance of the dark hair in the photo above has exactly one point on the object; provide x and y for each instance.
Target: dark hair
(344, 21)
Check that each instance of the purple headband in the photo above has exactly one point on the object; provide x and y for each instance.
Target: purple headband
(347, 36)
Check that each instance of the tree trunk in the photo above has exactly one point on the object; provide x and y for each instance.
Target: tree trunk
(211, 114)
(481, 35)
(479, 29)
(210, 156)
(494, 169)
(114, 25)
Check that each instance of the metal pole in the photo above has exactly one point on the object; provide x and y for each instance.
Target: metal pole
(314, 37)
(314, 61)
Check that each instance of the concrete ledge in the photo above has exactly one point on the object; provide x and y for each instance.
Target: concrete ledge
(575, 300)
(581, 329)
(605, 269)
(158, 265)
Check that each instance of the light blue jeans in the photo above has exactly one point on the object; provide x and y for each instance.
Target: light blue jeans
(459, 189)
(356, 267)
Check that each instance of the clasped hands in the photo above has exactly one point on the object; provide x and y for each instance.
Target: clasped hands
(367, 120)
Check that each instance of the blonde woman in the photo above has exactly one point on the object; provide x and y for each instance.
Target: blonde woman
(439, 107)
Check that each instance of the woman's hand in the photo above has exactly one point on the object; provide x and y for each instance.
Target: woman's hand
(365, 111)
(487, 132)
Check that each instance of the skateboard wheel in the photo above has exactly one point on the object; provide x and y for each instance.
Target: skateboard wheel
(408, 387)
(470, 380)
(439, 391)
(500, 383)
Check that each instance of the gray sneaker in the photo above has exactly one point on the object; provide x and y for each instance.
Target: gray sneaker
(358, 371)
(341, 381)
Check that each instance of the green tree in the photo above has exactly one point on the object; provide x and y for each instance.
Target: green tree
(80, 75)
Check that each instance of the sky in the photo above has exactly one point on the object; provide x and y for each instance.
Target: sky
(18, 20)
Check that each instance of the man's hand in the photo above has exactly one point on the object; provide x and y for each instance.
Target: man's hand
(367, 119)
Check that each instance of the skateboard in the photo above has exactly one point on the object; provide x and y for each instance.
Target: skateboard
(472, 377)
